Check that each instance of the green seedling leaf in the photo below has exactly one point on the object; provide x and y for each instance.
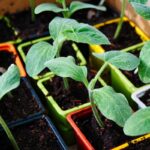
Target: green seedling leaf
(122, 60)
(70, 29)
(138, 123)
(139, 1)
(76, 5)
(112, 105)
(142, 10)
(66, 67)
(48, 7)
(144, 67)
(9, 80)
(36, 57)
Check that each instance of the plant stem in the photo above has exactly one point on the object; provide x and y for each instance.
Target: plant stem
(65, 14)
(94, 109)
(66, 83)
(32, 5)
(139, 45)
(119, 27)
(9, 134)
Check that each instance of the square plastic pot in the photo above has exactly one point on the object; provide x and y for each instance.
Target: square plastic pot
(81, 139)
(138, 93)
(59, 140)
(58, 114)
(21, 49)
(37, 102)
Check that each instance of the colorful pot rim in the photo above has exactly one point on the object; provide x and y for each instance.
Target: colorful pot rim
(38, 102)
(10, 48)
(21, 51)
(135, 95)
(99, 49)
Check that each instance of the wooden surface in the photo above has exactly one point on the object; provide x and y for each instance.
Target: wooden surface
(131, 14)
(12, 6)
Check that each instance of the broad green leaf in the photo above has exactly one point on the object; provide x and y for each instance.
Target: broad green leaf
(58, 25)
(84, 33)
(122, 60)
(138, 123)
(144, 67)
(48, 7)
(66, 67)
(139, 1)
(112, 105)
(142, 10)
(70, 29)
(9, 80)
(76, 5)
(38, 54)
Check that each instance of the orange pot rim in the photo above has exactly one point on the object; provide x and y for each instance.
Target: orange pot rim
(77, 130)
(10, 48)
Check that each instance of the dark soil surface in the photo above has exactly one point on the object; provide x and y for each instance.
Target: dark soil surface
(6, 33)
(18, 104)
(26, 28)
(33, 136)
(128, 36)
(6, 59)
(76, 95)
(133, 75)
(93, 16)
(145, 97)
(102, 138)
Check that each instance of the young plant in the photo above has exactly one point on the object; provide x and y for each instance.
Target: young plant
(119, 26)
(9, 81)
(61, 30)
(32, 5)
(105, 99)
(67, 11)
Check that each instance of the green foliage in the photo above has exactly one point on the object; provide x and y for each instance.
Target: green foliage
(32, 5)
(112, 105)
(48, 7)
(61, 29)
(67, 12)
(76, 5)
(144, 67)
(9, 80)
(70, 29)
(122, 60)
(38, 54)
(66, 67)
(141, 8)
(138, 123)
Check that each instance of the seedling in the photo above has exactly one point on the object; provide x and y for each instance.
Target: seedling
(67, 11)
(119, 26)
(105, 99)
(61, 30)
(9, 81)
(32, 5)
